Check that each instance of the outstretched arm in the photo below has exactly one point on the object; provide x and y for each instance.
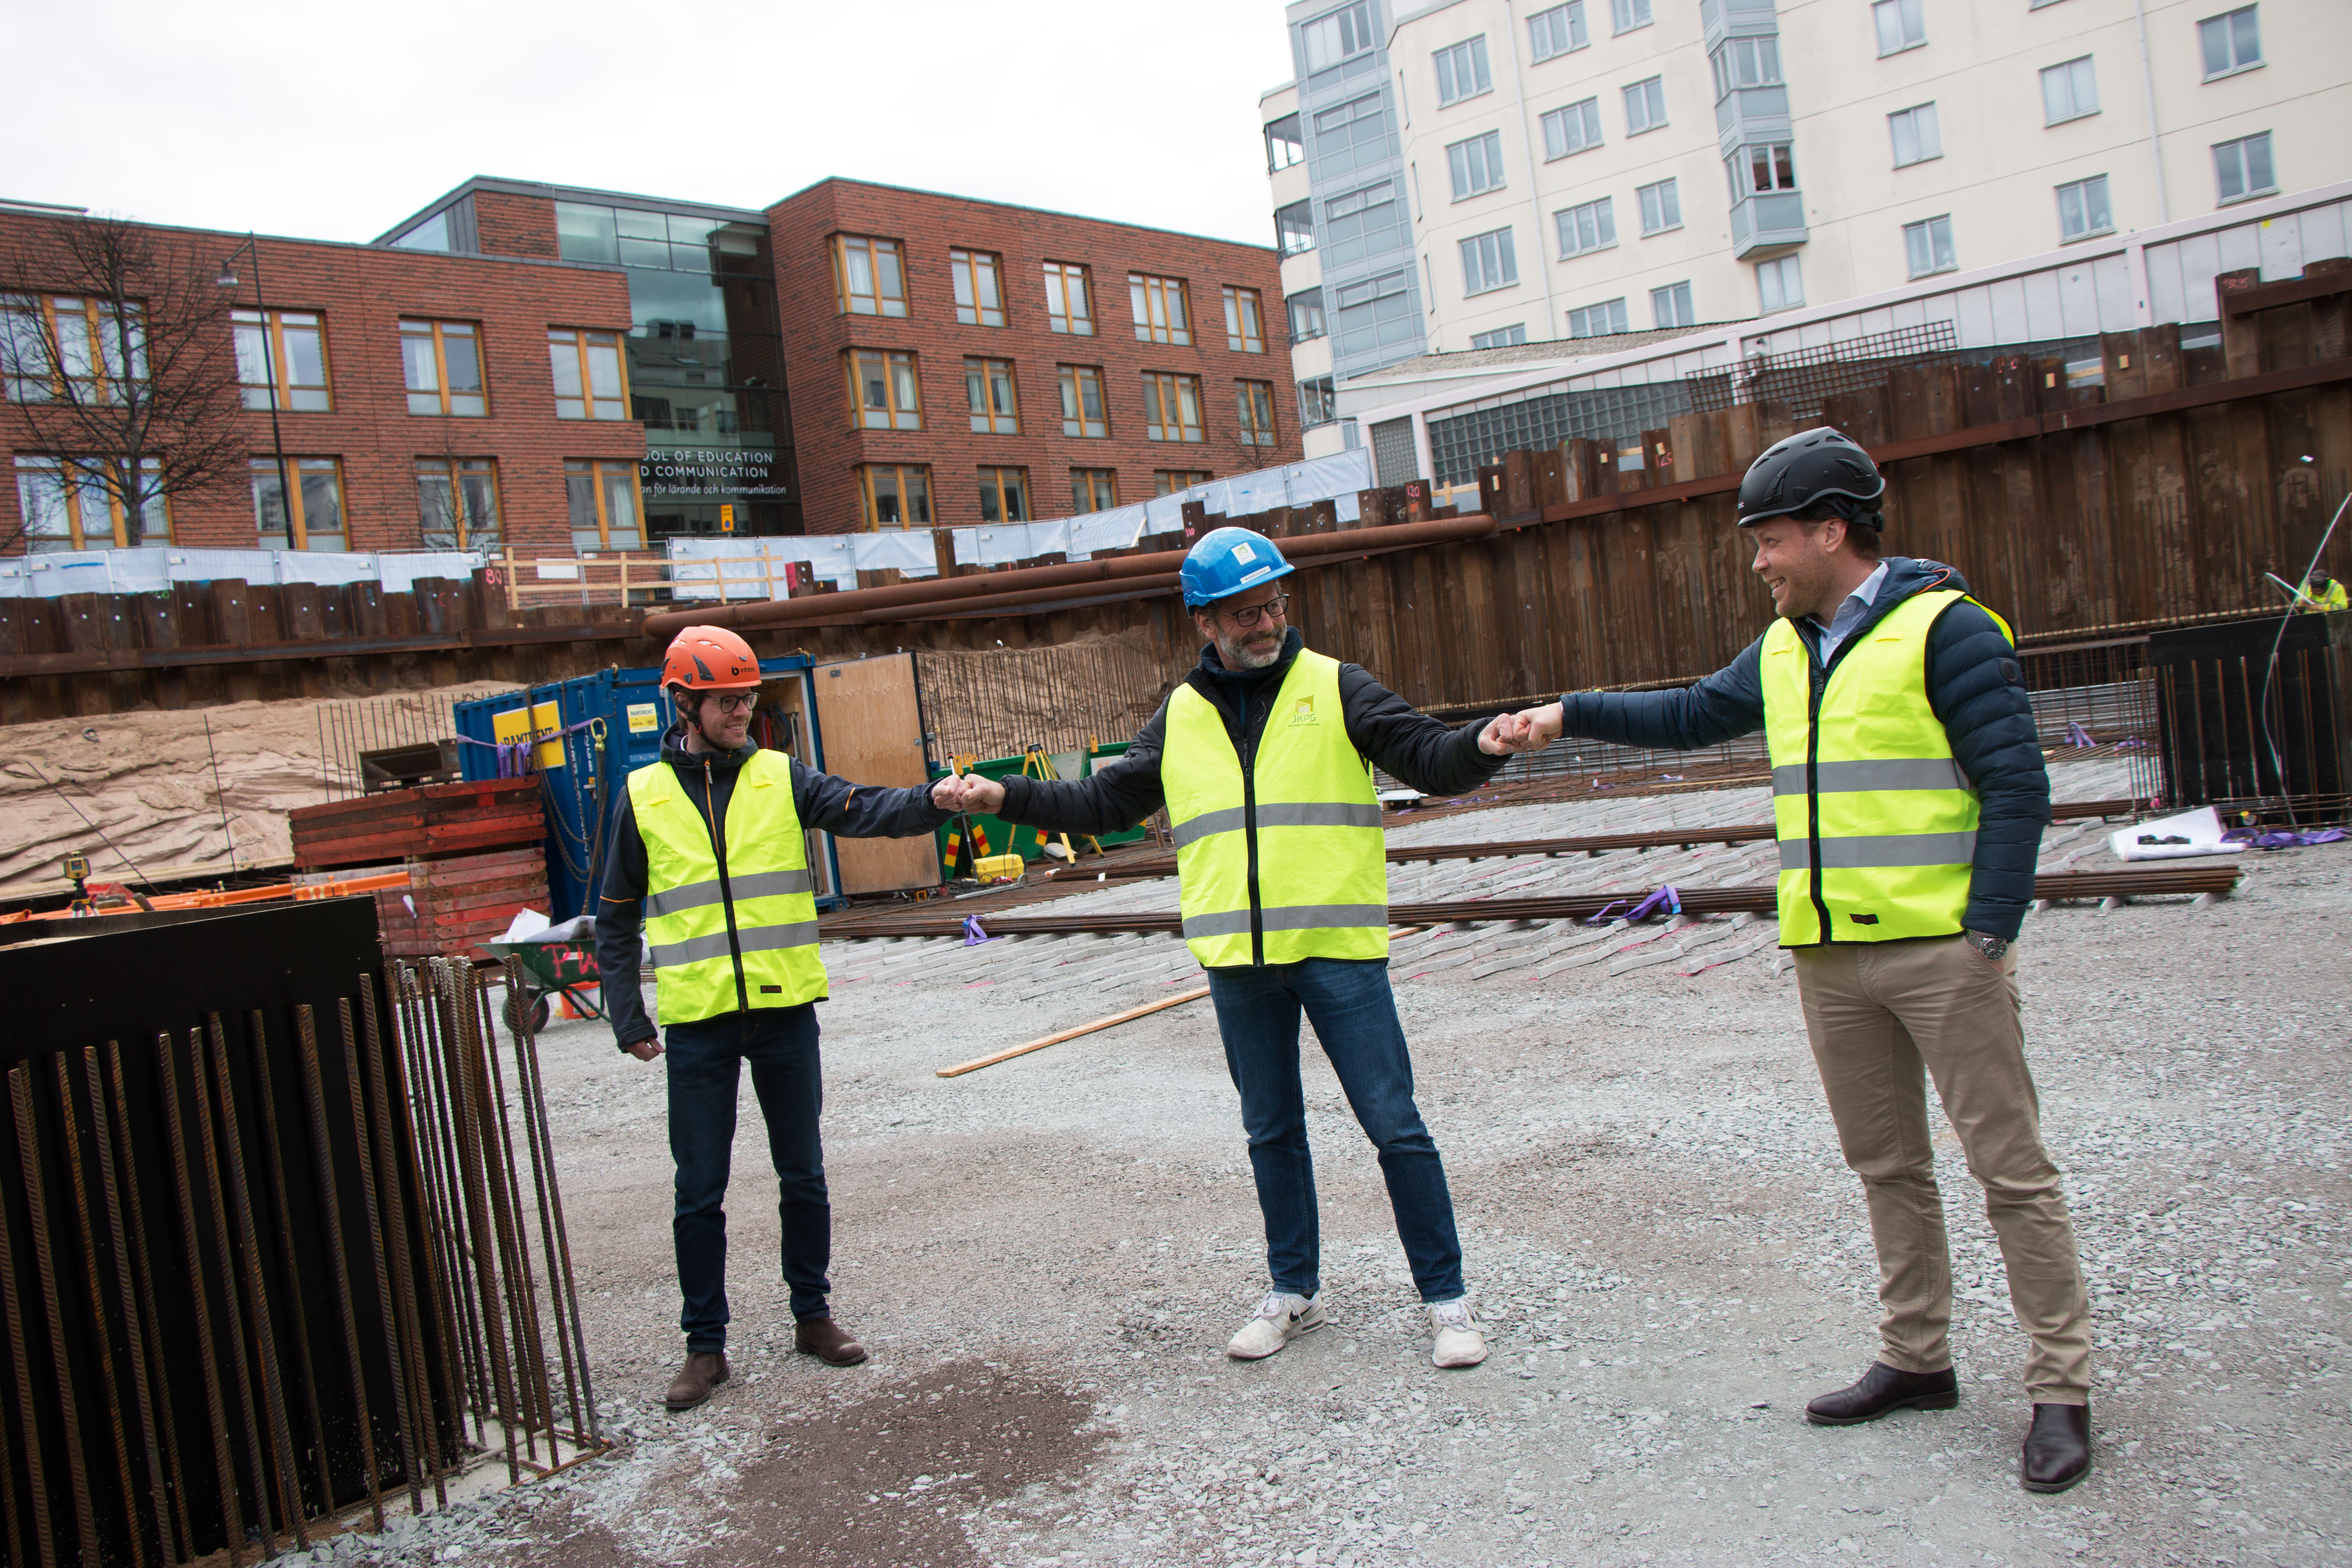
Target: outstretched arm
(1723, 707)
(1112, 799)
(865, 811)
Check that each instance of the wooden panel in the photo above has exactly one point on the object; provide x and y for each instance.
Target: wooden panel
(873, 734)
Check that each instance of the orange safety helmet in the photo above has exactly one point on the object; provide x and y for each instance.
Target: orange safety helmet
(710, 659)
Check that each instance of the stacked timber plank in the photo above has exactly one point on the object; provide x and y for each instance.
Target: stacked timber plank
(452, 906)
(425, 823)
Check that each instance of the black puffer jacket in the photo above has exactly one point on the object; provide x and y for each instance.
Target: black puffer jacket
(1974, 685)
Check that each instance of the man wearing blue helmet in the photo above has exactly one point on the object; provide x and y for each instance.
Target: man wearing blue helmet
(1262, 757)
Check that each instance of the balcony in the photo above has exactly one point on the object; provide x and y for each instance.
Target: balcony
(1764, 224)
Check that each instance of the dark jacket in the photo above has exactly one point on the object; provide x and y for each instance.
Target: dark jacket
(1424, 752)
(1974, 686)
(707, 778)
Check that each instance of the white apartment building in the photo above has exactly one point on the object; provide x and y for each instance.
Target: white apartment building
(1599, 167)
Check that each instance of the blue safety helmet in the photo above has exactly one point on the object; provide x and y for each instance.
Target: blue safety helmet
(1228, 560)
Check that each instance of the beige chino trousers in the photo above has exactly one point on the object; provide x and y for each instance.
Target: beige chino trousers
(1882, 1016)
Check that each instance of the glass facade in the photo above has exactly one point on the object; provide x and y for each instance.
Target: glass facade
(705, 364)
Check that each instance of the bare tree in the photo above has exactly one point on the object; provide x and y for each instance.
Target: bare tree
(115, 350)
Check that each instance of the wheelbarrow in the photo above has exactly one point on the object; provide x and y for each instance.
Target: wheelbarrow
(558, 963)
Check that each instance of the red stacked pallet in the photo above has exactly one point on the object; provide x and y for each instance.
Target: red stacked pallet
(471, 851)
(452, 906)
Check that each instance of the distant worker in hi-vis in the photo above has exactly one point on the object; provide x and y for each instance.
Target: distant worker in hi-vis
(710, 856)
(1909, 794)
(1262, 757)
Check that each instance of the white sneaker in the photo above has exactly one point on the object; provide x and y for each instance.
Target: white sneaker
(1280, 1319)
(1459, 1342)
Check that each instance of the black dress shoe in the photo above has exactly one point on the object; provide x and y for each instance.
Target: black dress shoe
(2058, 1449)
(1882, 1389)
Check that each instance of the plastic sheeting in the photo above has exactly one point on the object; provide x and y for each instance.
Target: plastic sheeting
(153, 569)
(743, 568)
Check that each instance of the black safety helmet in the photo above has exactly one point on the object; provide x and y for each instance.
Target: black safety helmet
(1812, 468)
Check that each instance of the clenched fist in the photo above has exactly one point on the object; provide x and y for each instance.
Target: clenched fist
(968, 792)
(1510, 733)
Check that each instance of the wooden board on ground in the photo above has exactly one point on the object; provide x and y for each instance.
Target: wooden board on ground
(873, 734)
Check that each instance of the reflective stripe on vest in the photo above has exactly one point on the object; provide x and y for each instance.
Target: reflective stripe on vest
(1284, 860)
(1877, 823)
(766, 890)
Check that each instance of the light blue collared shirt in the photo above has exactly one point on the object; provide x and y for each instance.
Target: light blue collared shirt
(1849, 614)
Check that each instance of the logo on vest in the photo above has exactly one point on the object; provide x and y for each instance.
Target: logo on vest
(1303, 712)
(1863, 920)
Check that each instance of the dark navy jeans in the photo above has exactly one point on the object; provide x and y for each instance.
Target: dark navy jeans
(704, 1060)
(1355, 1018)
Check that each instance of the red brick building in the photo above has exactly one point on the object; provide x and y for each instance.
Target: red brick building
(363, 338)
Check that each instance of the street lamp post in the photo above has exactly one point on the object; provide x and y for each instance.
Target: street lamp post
(295, 532)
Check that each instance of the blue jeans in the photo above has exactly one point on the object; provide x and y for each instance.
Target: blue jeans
(704, 1060)
(1355, 1018)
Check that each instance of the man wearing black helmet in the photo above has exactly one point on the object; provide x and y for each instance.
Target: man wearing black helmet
(1909, 797)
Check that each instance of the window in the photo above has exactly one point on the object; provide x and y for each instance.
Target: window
(1553, 33)
(1306, 315)
(1245, 321)
(1372, 313)
(1285, 144)
(1500, 338)
(1349, 133)
(1159, 307)
(1070, 298)
(1901, 25)
(1094, 490)
(1917, 139)
(1928, 245)
(2231, 41)
(1598, 320)
(602, 500)
(1004, 495)
(1254, 401)
(1461, 71)
(1293, 229)
(884, 390)
(1628, 14)
(867, 279)
(1661, 209)
(1317, 402)
(988, 387)
(979, 297)
(1487, 262)
(1476, 164)
(1746, 62)
(1340, 35)
(315, 522)
(1082, 402)
(2083, 208)
(1589, 225)
(1671, 306)
(457, 503)
(1168, 481)
(1645, 105)
(442, 363)
(1571, 129)
(1171, 407)
(895, 495)
(55, 346)
(588, 380)
(1768, 167)
(1362, 223)
(2242, 168)
(1780, 285)
(2069, 92)
(65, 507)
(287, 351)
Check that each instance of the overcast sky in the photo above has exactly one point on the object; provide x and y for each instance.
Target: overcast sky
(335, 120)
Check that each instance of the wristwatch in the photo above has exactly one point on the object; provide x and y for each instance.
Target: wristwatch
(1994, 947)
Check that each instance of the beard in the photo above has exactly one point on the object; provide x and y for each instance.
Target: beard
(1238, 653)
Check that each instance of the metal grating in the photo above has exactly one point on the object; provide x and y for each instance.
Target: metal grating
(1803, 378)
(1394, 458)
(1458, 446)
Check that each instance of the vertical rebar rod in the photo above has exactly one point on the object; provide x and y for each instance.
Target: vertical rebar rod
(102, 1332)
(489, 1112)
(192, 1248)
(264, 1340)
(400, 1306)
(562, 1285)
(256, 1437)
(471, 1142)
(149, 1349)
(28, 1427)
(375, 1240)
(36, 1204)
(441, 1335)
(529, 1346)
(278, 1193)
(322, 1155)
(433, 1049)
(8, 1519)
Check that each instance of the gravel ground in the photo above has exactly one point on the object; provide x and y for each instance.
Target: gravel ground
(1046, 1257)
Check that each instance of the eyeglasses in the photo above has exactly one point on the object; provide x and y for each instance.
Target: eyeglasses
(1251, 614)
(736, 701)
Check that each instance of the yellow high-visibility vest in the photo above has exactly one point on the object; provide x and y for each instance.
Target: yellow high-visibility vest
(765, 888)
(1282, 858)
(1877, 821)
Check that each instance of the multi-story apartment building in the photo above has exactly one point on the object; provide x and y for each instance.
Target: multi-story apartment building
(1587, 169)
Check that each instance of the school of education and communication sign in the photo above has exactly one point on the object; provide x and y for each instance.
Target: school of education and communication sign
(690, 473)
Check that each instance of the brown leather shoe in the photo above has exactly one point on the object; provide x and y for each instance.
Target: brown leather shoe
(703, 1371)
(1883, 1389)
(2058, 1449)
(823, 1338)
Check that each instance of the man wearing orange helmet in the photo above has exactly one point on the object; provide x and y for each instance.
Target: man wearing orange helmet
(710, 859)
